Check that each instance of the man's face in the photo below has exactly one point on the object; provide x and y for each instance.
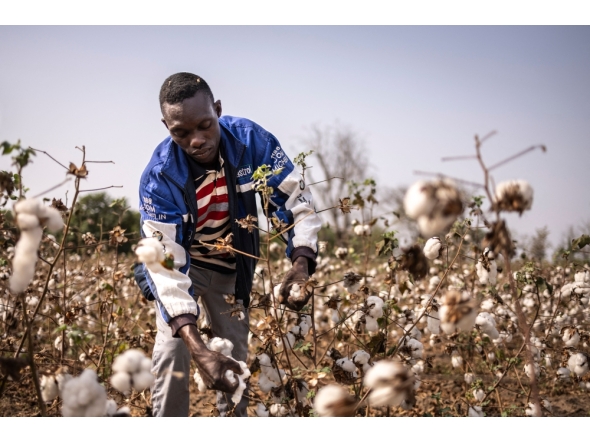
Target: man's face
(194, 126)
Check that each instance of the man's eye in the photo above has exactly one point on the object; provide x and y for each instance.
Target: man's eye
(179, 134)
(206, 125)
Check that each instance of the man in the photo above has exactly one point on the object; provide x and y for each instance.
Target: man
(196, 187)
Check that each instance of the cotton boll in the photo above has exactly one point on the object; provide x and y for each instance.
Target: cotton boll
(237, 395)
(416, 348)
(278, 410)
(475, 412)
(433, 322)
(528, 370)
(457, 312)
(334, 400)
(362, 230)
(432, 248)
(84, 396)
(371, 324)
(150, 251)
(111, 408)
(487, 276)
(487, 324)
(261, 410)
(52, 217)
(221, 345)
(468, 378)
(479, 394)
(121, 381)
(390, 382)
(27, 222)
(265, 384)
(25, 259)
(430, 226)
(375, 306)
(347, 365)
(578, 364)
(417, 200)
(513, 195)
(130, 361)
(487, 305)
(28, 206)
(201, 384)
(533, 410)
(361, 357)
(142, 380)
(563, 373)
(571, 338)
(456, 359)
(49, 388)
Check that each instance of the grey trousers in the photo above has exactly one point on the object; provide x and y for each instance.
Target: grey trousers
(171, 359)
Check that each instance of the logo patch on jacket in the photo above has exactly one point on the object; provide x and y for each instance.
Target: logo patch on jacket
(245, 170)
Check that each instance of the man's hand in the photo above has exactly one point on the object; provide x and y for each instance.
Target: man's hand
(212, 365)
(299, 275)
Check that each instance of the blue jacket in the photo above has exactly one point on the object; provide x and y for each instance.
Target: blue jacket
(168, 209)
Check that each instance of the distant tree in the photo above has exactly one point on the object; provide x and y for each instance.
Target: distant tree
(98, 214)
(341, 158)
(539, 244)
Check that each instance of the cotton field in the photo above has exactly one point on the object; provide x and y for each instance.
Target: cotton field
(452, 324)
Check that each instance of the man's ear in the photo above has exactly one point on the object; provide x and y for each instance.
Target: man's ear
(217, 107)
(164, 122)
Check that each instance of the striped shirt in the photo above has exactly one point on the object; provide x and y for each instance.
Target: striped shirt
(212, 222)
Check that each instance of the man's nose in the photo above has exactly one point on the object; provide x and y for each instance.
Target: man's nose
(197, 140)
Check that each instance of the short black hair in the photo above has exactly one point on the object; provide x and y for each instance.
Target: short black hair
(182, 86)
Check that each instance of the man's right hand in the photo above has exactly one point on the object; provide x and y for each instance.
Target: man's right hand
(212, 365)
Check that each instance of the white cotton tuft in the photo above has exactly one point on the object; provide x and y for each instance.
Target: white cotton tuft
(333, 400)
(347, 365)
(487, 276)
(456, 359)
(278, 410)
(530, 370)
(513, 195)
(261, 410)
(468, 378)
(571, 337)
(362, 230)
(479, 394)
(200, 383)
(417, 201)
(433, 322)
(25, 259)
(563, 373)
(578, 364)
(432, 248)
(487, 324)
(371, 324)
(151, 252)
(361, 357)
(52, 218)
(132, 369)
(390, 383)
(84, 396)
(475, 412)
(221, 345)
(49, 388)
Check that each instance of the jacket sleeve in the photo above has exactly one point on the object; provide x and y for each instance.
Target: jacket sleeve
(162, 217)
(292, 203)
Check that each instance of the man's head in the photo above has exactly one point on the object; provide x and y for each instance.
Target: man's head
(191, 115)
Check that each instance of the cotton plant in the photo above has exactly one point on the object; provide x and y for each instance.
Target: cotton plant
(31, 216)
(225, 347)
(132, 370)
(487, 269)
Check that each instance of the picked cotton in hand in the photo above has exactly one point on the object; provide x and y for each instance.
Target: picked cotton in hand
(150, 251)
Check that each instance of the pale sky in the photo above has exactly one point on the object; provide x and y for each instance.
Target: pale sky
(415, 94)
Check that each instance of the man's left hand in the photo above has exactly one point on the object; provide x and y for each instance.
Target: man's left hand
(299, 275)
